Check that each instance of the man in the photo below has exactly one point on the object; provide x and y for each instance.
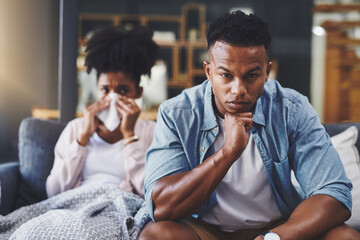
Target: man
(223, 152)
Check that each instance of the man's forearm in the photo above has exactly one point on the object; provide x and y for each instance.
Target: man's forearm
(312, 218)
(179, 195)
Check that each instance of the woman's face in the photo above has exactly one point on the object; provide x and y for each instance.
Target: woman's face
(117, 82)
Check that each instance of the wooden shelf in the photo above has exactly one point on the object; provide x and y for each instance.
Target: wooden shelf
(327, 8)
(183, 47)
(53, 114)
(342, 71)
(199, 72)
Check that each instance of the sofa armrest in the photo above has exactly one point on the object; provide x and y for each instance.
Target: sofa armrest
(9, 176)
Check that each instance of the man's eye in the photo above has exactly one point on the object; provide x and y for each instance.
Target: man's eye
(252, 76)
(226, 75)
(105, 90)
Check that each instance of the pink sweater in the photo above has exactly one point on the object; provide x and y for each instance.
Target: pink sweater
(70, 158)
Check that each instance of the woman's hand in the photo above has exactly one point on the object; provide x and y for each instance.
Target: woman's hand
(130, 112)
(91, 122)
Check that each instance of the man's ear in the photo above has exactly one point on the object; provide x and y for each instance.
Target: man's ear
(139, 92)
(268, 70)
(207, 69)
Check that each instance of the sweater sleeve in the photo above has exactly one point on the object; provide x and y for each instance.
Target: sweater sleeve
(134, 155)
(69, 160)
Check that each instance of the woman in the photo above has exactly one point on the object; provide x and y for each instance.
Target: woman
(87, 151)
(104, 157)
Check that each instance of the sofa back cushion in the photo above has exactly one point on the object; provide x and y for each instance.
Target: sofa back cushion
(336, 128)
(37, 139)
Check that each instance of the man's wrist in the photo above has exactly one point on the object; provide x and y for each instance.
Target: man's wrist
(268, 235)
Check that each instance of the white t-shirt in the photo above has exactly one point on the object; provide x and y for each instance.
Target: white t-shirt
(104, 163)
(244, 195)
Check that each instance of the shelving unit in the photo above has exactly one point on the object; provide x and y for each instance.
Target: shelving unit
(189, 38)
(342, 67)
(189, 29)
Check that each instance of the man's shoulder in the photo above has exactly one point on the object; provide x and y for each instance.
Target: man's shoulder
(190, 98)
(275, 92)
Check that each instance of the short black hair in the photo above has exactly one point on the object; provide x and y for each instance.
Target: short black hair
(238, 28)
(112, 49)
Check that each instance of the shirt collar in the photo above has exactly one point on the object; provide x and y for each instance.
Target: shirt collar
(258, 114)
(209, 114)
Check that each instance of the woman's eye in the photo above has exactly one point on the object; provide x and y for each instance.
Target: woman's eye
(123, 91)
(105, 90)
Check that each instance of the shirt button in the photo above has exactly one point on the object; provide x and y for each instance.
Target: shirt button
(202, 149)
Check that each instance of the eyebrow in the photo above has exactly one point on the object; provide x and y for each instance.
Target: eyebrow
(119, 86)
(222, 68)
(257, 68)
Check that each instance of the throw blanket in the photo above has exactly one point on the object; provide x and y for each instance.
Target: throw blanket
(89, 212)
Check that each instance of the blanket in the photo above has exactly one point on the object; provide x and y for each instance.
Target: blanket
(88, 212)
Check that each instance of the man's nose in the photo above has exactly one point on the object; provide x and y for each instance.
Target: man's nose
(238, 88)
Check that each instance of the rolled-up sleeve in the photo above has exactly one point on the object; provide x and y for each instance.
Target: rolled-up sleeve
(316, 163)
(165, 156)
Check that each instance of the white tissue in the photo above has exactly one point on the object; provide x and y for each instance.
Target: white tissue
(109, 116)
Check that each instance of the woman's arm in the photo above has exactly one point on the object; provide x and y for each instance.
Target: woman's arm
(69, 160)
(134, 155)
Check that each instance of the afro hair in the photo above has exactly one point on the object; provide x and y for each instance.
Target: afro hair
(132, 52)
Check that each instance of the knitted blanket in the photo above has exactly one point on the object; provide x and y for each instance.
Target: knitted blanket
(89, 212)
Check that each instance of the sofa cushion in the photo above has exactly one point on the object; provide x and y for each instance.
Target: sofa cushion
(37, 139)
(344, 143)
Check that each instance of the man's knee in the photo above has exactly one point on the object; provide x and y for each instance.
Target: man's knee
(343, 232)
(166, 230)
(154, 231)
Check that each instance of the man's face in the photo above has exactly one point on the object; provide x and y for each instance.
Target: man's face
(238, 75)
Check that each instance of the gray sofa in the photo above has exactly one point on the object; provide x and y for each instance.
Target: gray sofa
(23, 182)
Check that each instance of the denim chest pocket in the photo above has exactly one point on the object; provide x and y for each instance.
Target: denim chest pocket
(282, 168)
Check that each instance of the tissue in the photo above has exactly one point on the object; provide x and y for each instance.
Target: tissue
(109, 116)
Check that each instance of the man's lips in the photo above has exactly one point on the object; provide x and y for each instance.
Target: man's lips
(238, 104)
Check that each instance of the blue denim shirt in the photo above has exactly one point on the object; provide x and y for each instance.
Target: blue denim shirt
(286, 131)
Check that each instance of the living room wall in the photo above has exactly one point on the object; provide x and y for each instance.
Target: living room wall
(28, 65)
(29, 48)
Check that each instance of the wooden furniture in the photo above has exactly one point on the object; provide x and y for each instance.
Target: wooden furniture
(187, 46)
(53, 114)
(342, 67)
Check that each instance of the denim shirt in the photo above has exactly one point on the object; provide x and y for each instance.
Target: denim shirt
(286, 130)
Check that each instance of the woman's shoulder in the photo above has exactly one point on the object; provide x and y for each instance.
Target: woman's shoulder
(144, 125)
(73, 126)
(75, 123)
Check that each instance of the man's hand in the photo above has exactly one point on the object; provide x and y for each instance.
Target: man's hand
(91, 122)
(236, 126)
